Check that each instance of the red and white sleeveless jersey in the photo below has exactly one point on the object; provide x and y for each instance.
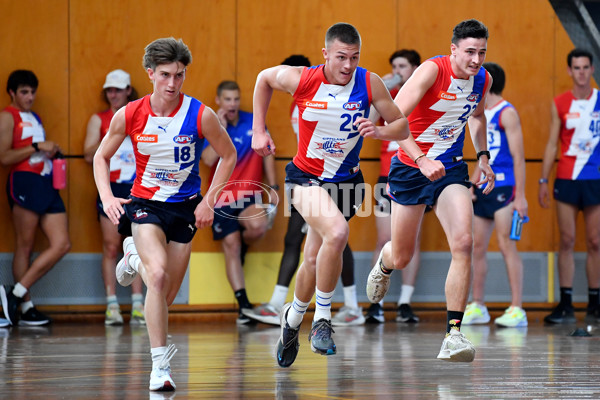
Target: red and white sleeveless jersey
(438, 122)
(27, 130)
(579, 136)
(122, 163)
(329, 143)
(167, 149)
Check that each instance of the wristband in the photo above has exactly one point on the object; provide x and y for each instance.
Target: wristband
(483, 153)
(543, 180)
(421, 156)
(275, 187)
(35, 146)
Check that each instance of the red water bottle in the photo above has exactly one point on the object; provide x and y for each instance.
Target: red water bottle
(59, 171)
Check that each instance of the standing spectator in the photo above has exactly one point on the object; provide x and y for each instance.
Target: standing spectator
(505, 143)
(33, 200)
(117, 92)
(576, 124)
(404, 62)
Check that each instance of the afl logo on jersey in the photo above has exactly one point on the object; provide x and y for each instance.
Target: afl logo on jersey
(183, 139)
(473, 97)
(352, 106)
(141, 138)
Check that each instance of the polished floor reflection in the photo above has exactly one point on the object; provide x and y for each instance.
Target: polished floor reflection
(220, 360)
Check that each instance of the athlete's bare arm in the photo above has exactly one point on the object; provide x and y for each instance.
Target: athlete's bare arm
(549, 156)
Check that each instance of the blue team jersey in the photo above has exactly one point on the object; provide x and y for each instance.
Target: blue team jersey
(500, 157)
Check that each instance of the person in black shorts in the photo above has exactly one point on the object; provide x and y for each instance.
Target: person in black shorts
(32, 198)
(165, 208)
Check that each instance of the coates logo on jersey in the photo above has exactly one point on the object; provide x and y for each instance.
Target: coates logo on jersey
(473, 97)
(446, 96)
(332, 147)
(183, 139)
(352, 105)
(141, 138)
(321, 105)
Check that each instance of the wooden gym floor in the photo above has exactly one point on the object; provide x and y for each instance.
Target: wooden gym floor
(218, 360)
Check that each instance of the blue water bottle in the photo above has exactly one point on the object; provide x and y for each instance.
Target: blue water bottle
(517, 225)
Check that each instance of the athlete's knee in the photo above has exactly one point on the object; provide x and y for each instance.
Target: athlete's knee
(111, 249)
(337, 235)
(157, 279)
(61, 245)
(462, 243)
(567, 241)
(593, 244)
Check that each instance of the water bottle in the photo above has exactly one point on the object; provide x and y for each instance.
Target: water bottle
(393, 81)
(59, 171)
(517, 225)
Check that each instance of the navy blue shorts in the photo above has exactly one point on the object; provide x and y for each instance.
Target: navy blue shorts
(581, 193)
(33, 192)
(177, 220)
(227, 217)
(120, 190)
(408, 186)
(486, 205)
(383, 200)
(348, 195)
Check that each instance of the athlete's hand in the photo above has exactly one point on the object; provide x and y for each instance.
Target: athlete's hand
(543, 195)
(366, 128)
(221, 114)
(113, 208)
(262, 143)
(488, 177)
(432, 169)
(49, 147)
(204, 214)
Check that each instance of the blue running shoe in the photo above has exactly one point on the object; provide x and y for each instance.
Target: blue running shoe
(288, 345)
(320, 338)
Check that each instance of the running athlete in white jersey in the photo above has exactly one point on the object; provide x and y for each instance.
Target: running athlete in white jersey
(439, 98)
(576, 125)
(333, 101)
(165, 208)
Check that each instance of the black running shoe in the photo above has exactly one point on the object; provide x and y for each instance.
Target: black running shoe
(320, 338)
(375, 314)
(406, 315)
(592, 316)
(33, 317)
(288, 344)
(561, 315)
(10, 304)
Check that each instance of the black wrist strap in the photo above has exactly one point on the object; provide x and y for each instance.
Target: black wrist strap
(483, 152)
(35, 146)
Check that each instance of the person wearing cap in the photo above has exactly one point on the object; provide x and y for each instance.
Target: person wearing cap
(32, 198)
(117, 92)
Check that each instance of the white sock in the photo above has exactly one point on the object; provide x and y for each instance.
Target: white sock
(296, 312)
(19, 290)
(111, 299)
(137, 299)
(279, 295)
(157, 354)
(323, 306)
(350, 299)
(26, 305)
(406, 294)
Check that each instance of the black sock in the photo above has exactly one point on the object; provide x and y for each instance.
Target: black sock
(454, 319)
(242, 299)
(593, 298)
(566, 296)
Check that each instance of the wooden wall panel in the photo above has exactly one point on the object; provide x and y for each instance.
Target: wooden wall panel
(112, 34)
(71, 45)
(35, 37)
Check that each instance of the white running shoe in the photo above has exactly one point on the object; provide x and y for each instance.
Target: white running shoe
(348, 316)
(125, 272)
(378, 283)
(513, 317)
(113, 316)
(475, 313)
(456, 347)
(266, 313)
(160, 378)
